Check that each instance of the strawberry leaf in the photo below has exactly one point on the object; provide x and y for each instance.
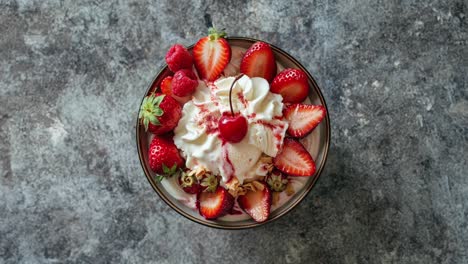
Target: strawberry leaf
(168, 172)
(210, 183)
(150, 110)
(158, 112)
(146, 123)
(215, 34)
(158, 99)
(159, 178)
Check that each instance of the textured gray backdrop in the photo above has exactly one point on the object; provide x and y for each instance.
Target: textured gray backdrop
(395, 77)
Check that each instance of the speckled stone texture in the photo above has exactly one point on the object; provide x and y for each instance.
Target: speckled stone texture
(395, 77)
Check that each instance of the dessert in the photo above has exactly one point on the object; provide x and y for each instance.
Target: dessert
(227, 129)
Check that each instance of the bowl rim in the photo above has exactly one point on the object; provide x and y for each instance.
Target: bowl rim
(295, 202)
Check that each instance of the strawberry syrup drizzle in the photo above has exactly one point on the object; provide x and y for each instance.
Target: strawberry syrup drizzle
(278, 136)
(228, 167)
(242, 99)
(208, 120)
(252, 116)
(266, 124)
(213, 88)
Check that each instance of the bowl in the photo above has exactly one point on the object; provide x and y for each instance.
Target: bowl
(317, 143)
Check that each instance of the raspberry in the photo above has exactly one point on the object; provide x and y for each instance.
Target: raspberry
(184, 83)
(178, 58)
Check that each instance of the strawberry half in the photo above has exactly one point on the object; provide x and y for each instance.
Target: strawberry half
(256, 203)
(294, 160)
(212, 205)
(259, 61)
(303, 118)
(211, 55)
(292, 84)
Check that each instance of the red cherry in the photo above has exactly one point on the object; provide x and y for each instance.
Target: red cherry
(232, 128)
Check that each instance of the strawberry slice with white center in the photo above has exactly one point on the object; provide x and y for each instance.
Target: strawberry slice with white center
(303, 118)
(294, 159)
(212, 205)
(211, 55)
(259, 61)
(256, 203)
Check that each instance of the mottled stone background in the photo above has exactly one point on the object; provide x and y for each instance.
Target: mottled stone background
(395, 77)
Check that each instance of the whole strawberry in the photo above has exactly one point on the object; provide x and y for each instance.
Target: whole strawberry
(163, 156)
(209, 183)
(160, 113)
(277, 181)
(189, 183)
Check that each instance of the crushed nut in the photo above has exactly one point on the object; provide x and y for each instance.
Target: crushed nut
(290, 189)
(269, 167)
(191, 173)
(200, 172)
(233, 187)
(266, 159)
(275, 198)
(267, 162)
(258, 185)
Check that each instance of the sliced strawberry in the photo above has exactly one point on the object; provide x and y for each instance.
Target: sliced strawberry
(303, 118)
(294, 160)
(259, 61)
(166, 85)
(292, 84)
(256, 203)
(212, 205)
(211, 55)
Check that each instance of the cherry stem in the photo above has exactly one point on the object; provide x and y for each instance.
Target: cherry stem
(230, 91)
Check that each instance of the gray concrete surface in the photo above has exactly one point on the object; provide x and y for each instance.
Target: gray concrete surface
(394, 74)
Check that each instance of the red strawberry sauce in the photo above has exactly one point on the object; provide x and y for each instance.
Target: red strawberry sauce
(273, 128)
(242, 99)
(227, 164)
(208, 120)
